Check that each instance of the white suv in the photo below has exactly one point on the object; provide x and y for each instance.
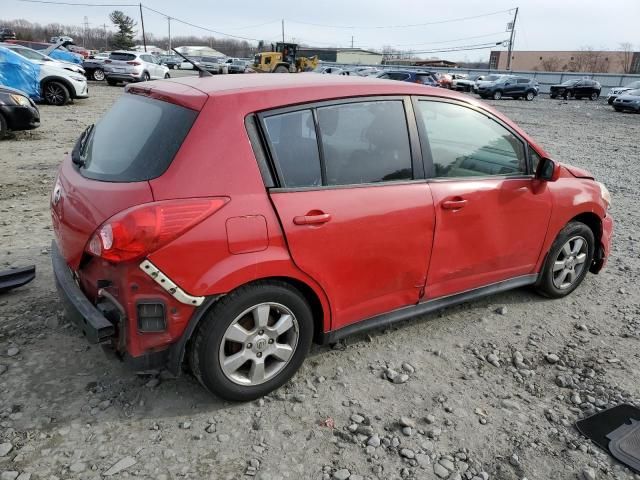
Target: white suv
(59, 81)
(124, 66)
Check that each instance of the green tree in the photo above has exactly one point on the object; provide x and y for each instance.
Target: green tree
(123, 40)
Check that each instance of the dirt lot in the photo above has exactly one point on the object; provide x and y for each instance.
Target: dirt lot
(483, 399)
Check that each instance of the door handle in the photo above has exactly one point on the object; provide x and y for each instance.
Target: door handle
(454, 204)
(313, 219)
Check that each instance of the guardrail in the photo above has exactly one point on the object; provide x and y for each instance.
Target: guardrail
(545, 79)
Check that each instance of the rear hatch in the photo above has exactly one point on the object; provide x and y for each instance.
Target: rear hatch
(111, 165)
(122, 62)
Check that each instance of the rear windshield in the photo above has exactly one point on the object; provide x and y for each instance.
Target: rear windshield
(127, 147)
(126, 57)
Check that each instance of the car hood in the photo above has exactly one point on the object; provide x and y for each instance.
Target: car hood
(9, 90)
(49, 69)
(578, 172)
(628, 97)
(619, 90)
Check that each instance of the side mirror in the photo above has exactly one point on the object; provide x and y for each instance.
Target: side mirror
(548, 170)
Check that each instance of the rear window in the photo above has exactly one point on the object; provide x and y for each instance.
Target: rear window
(133, 147)
(125, 57)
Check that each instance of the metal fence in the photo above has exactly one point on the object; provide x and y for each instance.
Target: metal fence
(545, 79)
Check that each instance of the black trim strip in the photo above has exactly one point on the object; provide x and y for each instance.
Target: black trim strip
(386, 319)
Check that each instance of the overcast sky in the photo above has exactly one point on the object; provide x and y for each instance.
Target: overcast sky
(541, 24)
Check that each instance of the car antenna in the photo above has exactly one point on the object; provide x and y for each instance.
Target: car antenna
(203, 72)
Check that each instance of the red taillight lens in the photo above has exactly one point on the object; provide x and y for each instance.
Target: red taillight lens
(139, 231)
(134, 63)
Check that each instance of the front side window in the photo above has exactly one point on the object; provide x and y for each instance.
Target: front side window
(365, 142)
(294, 144)
(467, 143)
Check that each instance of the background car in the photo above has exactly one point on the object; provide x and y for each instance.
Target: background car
(466, 84)
(424, 78)
(17, 111)
(237, 66)
(40, 58)
(481, 82)
(576, 88)
(628, 101)
(184, 65)
(170, 61)
(614, 92)
(214, 65)
(327, 70)
(126, 66)
(7, 34)
(512, 86)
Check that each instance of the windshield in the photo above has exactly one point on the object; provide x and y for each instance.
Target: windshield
(125, 57)
(30, 54)
(503, 79)
(570, 82)
(132, 148)
(492, 78)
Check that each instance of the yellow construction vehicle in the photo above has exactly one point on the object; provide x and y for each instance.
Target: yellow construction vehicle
(283, 59)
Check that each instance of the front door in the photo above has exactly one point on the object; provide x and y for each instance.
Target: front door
(356, 214)
(491, 214)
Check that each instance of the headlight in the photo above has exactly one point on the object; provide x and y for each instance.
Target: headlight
(78, 78)
(604, 194)
(20, 100)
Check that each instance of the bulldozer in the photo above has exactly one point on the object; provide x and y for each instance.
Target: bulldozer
(283, 58)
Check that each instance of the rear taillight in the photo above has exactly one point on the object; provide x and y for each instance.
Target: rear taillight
(134, 63)
(139, 231)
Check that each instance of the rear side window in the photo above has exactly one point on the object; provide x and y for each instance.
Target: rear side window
(486, 148)
(136, 140)
(399, 76)
(523, 80)
(365, 142)
(125, 57)
(293, 142)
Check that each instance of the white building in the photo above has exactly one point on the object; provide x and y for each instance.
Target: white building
(199, 51)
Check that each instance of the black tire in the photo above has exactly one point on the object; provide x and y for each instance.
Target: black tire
(567, 95)
(594, 96)
(112, 83)
(617, 109)
(55, 93)
(4, 128)
(145, 77)
(497, 95)
(545, 285)
(610, 101)
(281, 69)
(98, 75)
(529, 96)
(205, 347)
(166, 75)
(553, 95)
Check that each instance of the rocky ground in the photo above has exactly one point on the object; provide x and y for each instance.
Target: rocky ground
(487, 390)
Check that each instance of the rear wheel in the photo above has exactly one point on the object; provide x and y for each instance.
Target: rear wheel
(98, 75)
(568, 261)
(145, 77)
(529, 96)
(553, 95)
(281, 69)
(252, 341)
(594, 96)
(55, 93)
(497, 95)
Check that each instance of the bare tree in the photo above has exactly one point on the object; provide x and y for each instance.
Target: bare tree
(625, 57)
(551, 64)
(589, 60)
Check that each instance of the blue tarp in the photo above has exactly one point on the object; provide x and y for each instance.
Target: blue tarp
(58, 54)
(18, 72)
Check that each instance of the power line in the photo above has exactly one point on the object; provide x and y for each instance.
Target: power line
(82, 4)
(447, 41)
(438, 22)
(464, 48)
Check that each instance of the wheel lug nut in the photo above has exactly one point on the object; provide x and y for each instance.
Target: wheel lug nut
(249, 345)
(259, 354)
(271, 340)
(261, 332)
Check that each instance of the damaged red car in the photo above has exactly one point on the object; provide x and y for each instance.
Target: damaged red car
(228, 223)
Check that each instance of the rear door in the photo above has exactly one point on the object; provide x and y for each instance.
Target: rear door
(491, 213)
(352, 200)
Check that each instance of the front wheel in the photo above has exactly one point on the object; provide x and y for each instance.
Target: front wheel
(529, 96)
(497, 95)
(252, 341)
(568, 261)
(594, 96)
(55, 93)
(166, 75)
(281, 69)
(98, 75)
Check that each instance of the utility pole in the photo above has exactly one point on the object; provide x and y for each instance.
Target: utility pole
(283, 30)
(513, 30)
(144, 39)
(351, 41)
(169, 21)
(84, 33)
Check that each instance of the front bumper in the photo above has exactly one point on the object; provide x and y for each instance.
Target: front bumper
(21, 117)
(78, 308)
(602, 253)
(80, 88)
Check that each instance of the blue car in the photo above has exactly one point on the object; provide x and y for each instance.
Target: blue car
(425, 78)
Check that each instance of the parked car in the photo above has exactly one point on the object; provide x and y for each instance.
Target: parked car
(614, 92)
(320, 222)
(17, 111)
(60, 82)
(20, 74)
(79, 50)
(576, 88)
(55, 51)
(328, 70)
(424, 78)
(184, 65)
(94, 66)
(514, 87)
(61, 38)
(366, 71)
(466, 84)
(213, 65)
(125, 66)
(170, 61)
(488, 79)
(7, 34)
(237, 66)
(628, 101)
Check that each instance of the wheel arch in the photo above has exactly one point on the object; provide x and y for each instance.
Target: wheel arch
(62, 80)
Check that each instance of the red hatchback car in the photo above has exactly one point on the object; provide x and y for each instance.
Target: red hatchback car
(232, 221)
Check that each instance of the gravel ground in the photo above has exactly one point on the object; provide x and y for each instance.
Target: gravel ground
(492, 388)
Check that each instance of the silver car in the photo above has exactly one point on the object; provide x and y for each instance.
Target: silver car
(123, 66)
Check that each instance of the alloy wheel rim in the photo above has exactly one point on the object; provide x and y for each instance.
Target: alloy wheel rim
(570, 262)
(54, 94)
(98, 75)
(258, 344)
